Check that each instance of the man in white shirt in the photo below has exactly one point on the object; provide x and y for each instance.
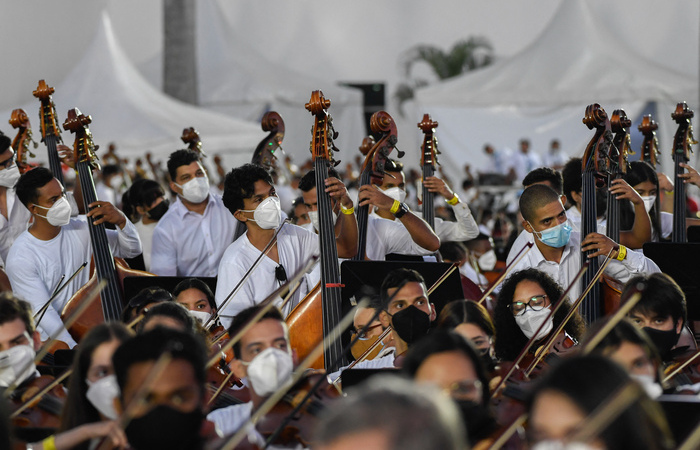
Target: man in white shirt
(250, 197)
(14, 217)
(557, 249)
(191, 237)
(56, 245)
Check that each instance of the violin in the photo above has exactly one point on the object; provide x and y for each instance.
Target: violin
(376, 155)
(681, 154)
(50, 131)
(43, 413)
(103, 265)
(20, 143)
(318, 313)
(429, 152)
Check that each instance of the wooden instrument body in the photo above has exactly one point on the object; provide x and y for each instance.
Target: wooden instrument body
(44, 412)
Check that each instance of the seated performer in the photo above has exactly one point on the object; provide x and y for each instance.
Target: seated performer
(56, 245)
(190, 238)
(250, 196)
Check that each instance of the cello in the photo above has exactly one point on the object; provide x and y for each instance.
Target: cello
(21, 142)
(681, 154)
(382, 124)
(320, 311)
(104, 266)
(50, 131)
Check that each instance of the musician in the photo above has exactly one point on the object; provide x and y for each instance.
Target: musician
(369, 336)
(109, 186)
(471, 320)
(557, 248)
(14, 217)
(192, 235)
(391, 413)
(455, 252)
(482, 256)
(498, 162)
(574, 390)
(145, 203)
(175, 402)
(524, 304)
(555, 158)
(168, 315)
(264, 357)
(250, 196)
(661, 312)
(394, 189)
(141, 302)
(300, 214)
(55, 246)
(195, 295)
(19, 341)
(525, 160)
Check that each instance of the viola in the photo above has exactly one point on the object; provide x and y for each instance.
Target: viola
(376, 155)
(103, 265)
(42, 413)
(50, 131)
(681, 154)
(429, 152)
(20, 143)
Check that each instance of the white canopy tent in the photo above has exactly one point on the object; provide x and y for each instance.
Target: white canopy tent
(541, 93)
(138, 118)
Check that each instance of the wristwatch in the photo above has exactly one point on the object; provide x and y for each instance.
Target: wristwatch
(403, 209)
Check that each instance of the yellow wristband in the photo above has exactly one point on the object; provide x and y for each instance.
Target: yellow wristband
(453, 201)
(395, 207)
(348, 211)
(621, 252)
(49, 443)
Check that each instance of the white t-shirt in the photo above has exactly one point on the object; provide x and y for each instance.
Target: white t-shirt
(35, 267)
(14, 225)
(295, 247)
(188, 244)
(146, 235)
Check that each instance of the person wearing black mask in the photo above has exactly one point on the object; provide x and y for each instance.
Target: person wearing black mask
(661, 312)
(144, 204)
(174, 410)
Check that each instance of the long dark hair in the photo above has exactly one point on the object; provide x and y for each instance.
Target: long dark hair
(639, 172)
(143, 192)
(466, 311)
(511, 339)
(78, 410)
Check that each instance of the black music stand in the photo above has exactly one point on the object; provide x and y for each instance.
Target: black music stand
(682, 414)
(694, 233)
(133, 285)
(679, 261)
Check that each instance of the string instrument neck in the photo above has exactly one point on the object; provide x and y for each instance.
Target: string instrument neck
(50, 131)
(429, 152)
(682, 141)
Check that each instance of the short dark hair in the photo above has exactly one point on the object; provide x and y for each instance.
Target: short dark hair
(510, 340)
(5, 142)
(242, 319)
(28, 185)
(173, 310)
(466, 311)
(396, 278)
(179, 158)
(12, 308)
(308, 181)
(240, 184)
(142, 193)
(195, 283)
(150, 345)
(452, 251)
(661, 296)
(110, 169)
(572, 178)
(471, 244)
(143, 298)
(440, 341)
(393, 165)
(535, 197)
(544, 174)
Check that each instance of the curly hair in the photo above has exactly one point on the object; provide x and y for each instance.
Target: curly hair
(511, 339)
(240, 184)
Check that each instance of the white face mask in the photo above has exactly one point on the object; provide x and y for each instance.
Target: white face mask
(313, 217)
(16, 365)
(559, 445)
(488, 260)
(9, 176)
(270, 370)
(59, 213)
(649, 384)
(396, 193)
(200, 316)
(195, 190)
(102, 393)
(531, 320)
(649, 202)
(268, 214)
(116, 182)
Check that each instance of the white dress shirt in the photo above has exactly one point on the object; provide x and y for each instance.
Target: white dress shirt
(188, 244)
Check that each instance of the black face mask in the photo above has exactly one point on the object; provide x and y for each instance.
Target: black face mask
(157, 211)
(488, 361)
(663, 340)
(165, 427)
(411, 324)
(477, 420)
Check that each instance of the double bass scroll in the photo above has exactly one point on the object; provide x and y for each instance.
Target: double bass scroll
(681, 154)
(50, 131)
(20, 143)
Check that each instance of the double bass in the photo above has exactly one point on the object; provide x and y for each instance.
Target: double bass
(429, 152)
(650, 144)
(681, 154)
(22, 140)
(104, 266)
(320, 311)
(50, 131)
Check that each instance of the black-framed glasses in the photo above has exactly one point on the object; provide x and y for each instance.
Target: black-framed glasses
(280, 273)
(536, 303)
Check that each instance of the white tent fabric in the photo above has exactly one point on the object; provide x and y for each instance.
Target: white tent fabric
(128, 111)
(541, 93)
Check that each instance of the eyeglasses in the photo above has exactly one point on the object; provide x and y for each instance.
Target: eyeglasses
(8, 162)
(363, 335)
(536, 303)
(280, 273)
(465, 390)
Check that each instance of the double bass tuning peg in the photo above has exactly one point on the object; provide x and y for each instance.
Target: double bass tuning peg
(399, 153)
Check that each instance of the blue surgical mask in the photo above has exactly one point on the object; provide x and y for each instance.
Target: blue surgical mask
(555, 237)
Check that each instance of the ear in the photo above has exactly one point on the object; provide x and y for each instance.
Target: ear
(433, 312)
(141, 210)
(526, 226)
(36, 338)
(385, 319)
(563, 199)
(679, 326)
(238, 369)
(238, 215)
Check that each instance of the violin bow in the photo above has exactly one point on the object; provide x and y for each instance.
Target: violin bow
(520, 255)
(245, 277)
(544, 349)
(59, 288)
(271, 401)
(442, 278)
(362, 357)
(680, 368)
(266, 304)
(531, 341)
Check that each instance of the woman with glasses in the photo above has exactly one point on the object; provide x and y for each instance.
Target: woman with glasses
(524, 304)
